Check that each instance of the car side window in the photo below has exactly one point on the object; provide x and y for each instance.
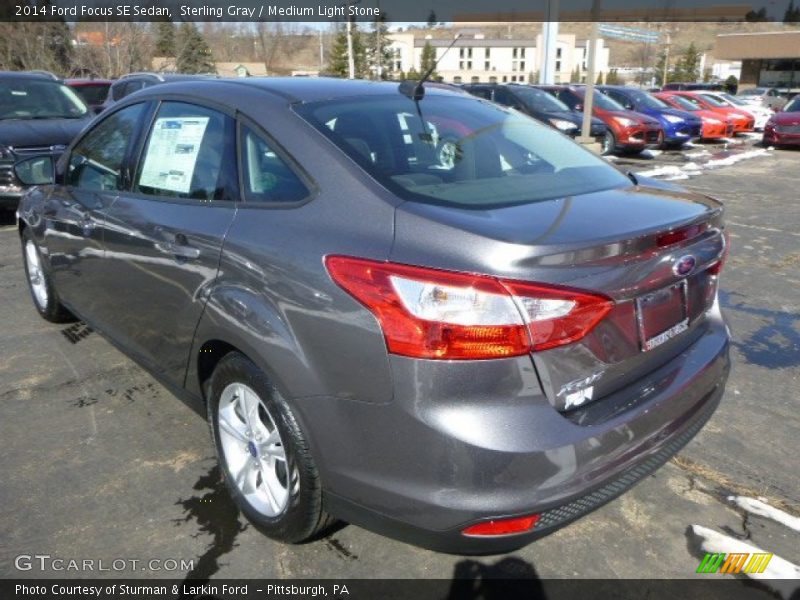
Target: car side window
(96, 161)
(266, 177)
(189, 153)
(502, 96)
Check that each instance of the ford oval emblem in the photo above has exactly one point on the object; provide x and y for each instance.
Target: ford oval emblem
(684, 265)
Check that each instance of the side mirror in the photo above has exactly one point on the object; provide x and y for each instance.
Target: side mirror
(39, 170)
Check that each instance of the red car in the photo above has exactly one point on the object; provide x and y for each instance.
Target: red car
(628, 131)
(783, 128)
(716, 125)
(91, 91)
(743, 121)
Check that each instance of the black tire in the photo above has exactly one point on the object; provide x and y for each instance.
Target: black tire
(50, 309)
(303, 516)
(609, 143)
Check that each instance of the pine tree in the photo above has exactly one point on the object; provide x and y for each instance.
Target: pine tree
(599, 79)
(792, 14)
(165, 39)
(378, 38)
(431, 19)
(338, 59)
(575, 76)
(194, 55)
(689, 64)
(428, 60)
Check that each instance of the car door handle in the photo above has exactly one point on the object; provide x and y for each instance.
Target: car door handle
(179, 250)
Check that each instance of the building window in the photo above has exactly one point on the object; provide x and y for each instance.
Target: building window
(522, 65)
(486, 66)
(558, 52)
(558, 65)
(457, 79)
(493, 79)
(505, 78)
(487, 52)
(475, 79)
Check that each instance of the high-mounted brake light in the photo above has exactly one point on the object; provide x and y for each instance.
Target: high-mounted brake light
(503, 526)
(430, 313)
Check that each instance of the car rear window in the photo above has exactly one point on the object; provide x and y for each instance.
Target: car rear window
(458, 150)
(94, 93)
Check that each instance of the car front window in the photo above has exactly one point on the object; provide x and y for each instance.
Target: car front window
(606, 103)
(539, 100)
(648, 101)
(39, 99)
(459, 151)
(793, 105)
(712, 100)
(686, 103)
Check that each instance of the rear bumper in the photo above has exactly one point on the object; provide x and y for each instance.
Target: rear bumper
(482, 442)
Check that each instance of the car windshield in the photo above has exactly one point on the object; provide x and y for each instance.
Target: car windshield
(713, 100)
(94, 93)
(734, 99)
(39, 99)
(539, 100)
(459, 151)
(793, 105)
(752, 92)
(648, 101)
(686, 103)
(604, 102)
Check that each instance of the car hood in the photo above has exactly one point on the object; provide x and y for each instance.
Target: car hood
(573, 117)
(19, 133)
(631, 114)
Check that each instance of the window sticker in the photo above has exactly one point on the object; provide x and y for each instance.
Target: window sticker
(172, 153)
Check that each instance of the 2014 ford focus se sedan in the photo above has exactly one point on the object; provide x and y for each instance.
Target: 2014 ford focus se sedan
(410, 309)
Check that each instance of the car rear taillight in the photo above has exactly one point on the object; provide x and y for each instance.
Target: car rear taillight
(431, 313)
(716, 268)
(503, 526)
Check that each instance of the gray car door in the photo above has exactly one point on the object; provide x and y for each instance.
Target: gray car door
(164, 235)
(93, 175)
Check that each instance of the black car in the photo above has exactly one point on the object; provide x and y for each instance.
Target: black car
(133, 82)
(38, 115)
(538, 104)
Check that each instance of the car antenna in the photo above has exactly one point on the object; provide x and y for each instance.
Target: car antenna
(415, 90)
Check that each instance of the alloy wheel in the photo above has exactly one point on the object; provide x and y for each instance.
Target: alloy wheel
(254, 452)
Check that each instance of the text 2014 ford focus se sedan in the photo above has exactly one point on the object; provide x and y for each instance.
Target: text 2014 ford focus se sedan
(410, 309)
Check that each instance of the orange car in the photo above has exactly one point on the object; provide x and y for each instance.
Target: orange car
(716, 125)
(743, 121)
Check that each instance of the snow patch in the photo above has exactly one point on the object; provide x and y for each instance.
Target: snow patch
(762, 509)
(651, 152)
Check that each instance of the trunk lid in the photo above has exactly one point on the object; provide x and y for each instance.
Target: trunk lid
(625, 243)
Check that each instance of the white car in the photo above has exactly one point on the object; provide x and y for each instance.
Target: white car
(759, 112)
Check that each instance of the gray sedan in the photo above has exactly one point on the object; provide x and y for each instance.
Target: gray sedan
(407, 308)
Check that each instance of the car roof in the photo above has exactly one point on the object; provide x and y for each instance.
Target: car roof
(304, 89)
(27, 75)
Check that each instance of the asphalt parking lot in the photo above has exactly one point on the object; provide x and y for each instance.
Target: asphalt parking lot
(101, 462)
